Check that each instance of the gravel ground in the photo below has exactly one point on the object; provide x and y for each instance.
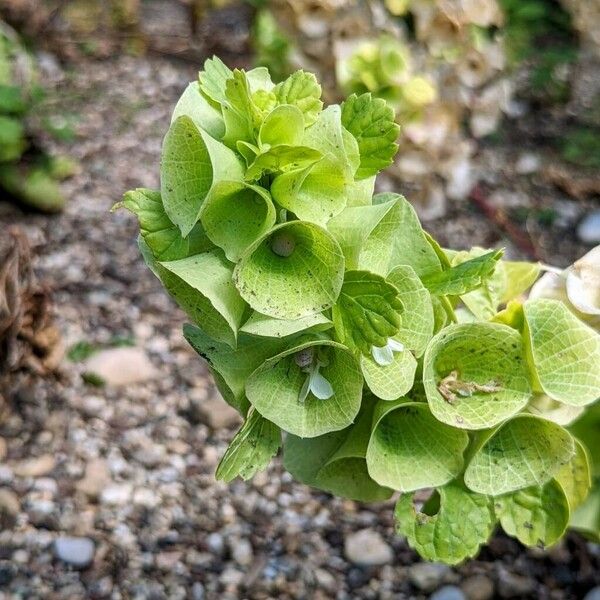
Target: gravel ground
(109, 492)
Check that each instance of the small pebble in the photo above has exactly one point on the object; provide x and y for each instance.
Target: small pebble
(588, 229)
(35, 467)
(448, 592)
(75, 551)
(368, 548)
(593, 594)
(478, 587)
(427, 576)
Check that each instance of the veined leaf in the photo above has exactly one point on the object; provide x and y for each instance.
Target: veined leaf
(265, 326)
(520, 276)
(475, 375)
(575, 477)
(294, 271)
(204, 115)
(450, 532)
(586, 519)
(367, 312)
(371, 121)
(301, 89)
(464, 277)
(251, 450)
(564, 353)
(232, 366)
(283, 125)
(410, 449)
(192, 161)
(417, 328)
(202, 286)
(160, 234)
(274, 389)
(239, 99)
(235, 215)
(281, 158)
(536, 516)
(390, 382)
(213, 79)
(523, 452)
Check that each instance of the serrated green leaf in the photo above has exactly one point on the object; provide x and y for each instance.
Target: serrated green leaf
(523, 452)
(464, 277)
(371, 121)
(192, 161)
(204, 115)
(274, 390)
(563, 352)
(232, 366)
(392, 381)
(303, 279)
(367, 312)
(239, 98)
(475, 375)
(251, 450)
(575, 477)
(410, 449)
(160, 234)
(536, 516)
(265, 326)
(235, 215)
(213, 79)
(417, 328)
(302, 90)
(463, 522)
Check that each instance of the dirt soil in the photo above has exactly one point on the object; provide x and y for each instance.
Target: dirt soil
(131, 468)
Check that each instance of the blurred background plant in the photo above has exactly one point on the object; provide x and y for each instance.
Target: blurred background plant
(27, 173)
(452, 69)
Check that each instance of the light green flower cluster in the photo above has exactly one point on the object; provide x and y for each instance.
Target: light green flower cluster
(342, 331)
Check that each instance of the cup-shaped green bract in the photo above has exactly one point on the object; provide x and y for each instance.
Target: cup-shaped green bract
(294, 271)
(522, 452)
(551, 334)
(410, 449)
(475, 375)
(235, 215)
(192, 163)
(274, 389)
(335, 462)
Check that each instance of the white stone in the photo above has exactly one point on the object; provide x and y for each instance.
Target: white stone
(121, 366)
(116, 495)
(588, 230)
(367, 547)
(75, 551)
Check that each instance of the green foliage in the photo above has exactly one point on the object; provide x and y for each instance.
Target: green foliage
(26, 173)
(329, 319)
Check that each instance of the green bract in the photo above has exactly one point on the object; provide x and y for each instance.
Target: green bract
(341, 330)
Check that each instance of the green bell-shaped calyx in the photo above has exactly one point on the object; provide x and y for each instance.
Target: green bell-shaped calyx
(294, 271)
(277, 389)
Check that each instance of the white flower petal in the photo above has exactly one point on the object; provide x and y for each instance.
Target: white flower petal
(319, 386)
(382, 356)
(304, 389)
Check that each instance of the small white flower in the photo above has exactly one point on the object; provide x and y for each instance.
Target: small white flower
(384, 356)
(314, 383)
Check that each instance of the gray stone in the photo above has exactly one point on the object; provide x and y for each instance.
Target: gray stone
(448, 592)
(427, 576)
(121, 366)
(588, 229)
(368, 548)
(242, 552)
(77, 552)
(593, 594)
(198, 592)
(215, 543)
(478, 587)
